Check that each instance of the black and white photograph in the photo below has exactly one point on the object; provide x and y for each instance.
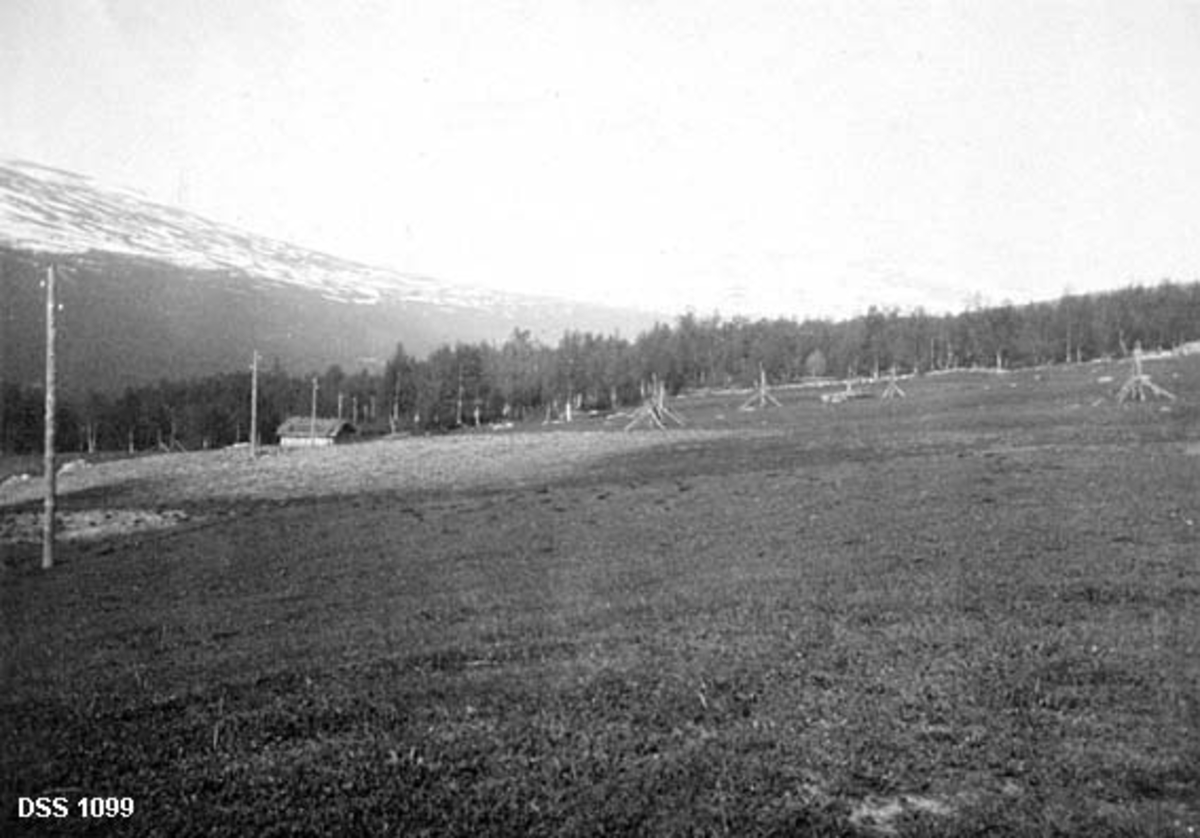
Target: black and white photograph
(600, 418)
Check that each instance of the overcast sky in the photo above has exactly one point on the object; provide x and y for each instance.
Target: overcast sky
(793, 158)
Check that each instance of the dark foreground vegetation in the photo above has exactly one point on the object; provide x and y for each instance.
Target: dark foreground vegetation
(467, 384)
(973, 611)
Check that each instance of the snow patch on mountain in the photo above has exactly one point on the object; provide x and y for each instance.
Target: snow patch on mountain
(47, 210)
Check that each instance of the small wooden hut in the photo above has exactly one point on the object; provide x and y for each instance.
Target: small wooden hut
(306, 432)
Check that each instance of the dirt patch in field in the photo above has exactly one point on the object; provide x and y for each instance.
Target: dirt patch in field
(88, 524)
(882, 815)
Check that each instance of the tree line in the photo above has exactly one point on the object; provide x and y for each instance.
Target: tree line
(478, 383)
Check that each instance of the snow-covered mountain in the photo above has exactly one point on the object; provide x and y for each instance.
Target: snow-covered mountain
(48, 210)
(152, 291)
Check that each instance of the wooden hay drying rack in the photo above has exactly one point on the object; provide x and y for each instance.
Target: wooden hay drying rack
(893, 390)
(762, 398)
(1139, 387)
(654, 410)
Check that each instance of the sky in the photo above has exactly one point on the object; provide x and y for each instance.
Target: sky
(798, 159)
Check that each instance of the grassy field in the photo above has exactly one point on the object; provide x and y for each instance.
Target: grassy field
(973, 611)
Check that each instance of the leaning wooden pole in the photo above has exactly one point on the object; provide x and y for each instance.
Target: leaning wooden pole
(48, 465)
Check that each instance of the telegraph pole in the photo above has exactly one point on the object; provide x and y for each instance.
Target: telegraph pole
(312, 424)
(254, 406)
(48, 450)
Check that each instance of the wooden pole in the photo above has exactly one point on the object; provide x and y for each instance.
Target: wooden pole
(312, 422)
(458, 414)
(254, 406)
(48, 464)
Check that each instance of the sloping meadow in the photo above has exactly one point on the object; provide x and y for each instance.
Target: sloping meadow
(975, 610)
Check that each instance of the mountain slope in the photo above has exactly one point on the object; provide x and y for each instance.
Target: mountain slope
(150, 291)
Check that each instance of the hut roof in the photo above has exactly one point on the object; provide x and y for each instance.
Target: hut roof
(304, 425)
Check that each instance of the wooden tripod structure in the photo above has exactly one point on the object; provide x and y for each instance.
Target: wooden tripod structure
(762, 397)
(1139, 387)
(893, 390)
(654, 410)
